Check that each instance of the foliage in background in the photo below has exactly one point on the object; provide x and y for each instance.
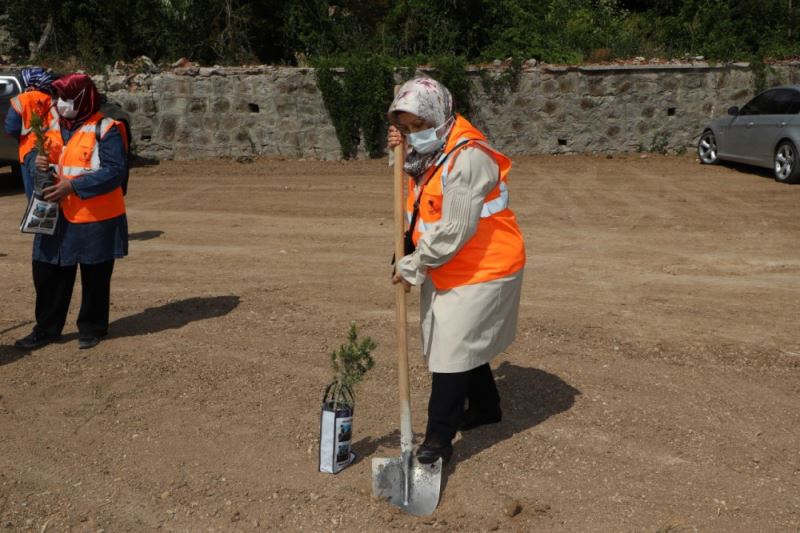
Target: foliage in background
(497, 85)
(98, 32)
(370, 38)
(355, 90)
(451, 71)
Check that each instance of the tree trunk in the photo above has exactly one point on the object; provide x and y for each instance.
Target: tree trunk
(48, 30)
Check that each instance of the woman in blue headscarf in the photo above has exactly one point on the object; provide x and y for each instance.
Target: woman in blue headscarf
(36, 99)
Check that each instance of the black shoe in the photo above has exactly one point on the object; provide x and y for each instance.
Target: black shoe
(35, 340)
(473, 419)
(84, 343)
(429, 453)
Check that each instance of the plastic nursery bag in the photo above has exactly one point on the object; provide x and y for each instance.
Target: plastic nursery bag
(40, 216)
(336, 430)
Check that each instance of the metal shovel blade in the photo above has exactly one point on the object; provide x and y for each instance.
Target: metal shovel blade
(406, 483)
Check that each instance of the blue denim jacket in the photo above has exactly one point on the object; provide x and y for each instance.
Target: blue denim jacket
(93, 242)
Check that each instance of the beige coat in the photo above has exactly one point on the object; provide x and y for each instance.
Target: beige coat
(464, 327)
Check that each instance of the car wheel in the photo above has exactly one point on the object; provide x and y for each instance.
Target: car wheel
(787, 166)
(707, 148)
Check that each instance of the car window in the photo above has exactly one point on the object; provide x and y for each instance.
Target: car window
(794, 107)
(7, 88)
(758, 105)
(789, 102)
(786, 102)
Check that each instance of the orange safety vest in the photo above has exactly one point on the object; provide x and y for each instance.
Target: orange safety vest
(25, 104)
(496, 250)
(81, 156)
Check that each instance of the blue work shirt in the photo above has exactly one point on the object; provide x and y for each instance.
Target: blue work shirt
(90, 242)
(13, 127)
(13, 124)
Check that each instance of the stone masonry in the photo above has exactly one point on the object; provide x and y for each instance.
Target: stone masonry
(198, 112)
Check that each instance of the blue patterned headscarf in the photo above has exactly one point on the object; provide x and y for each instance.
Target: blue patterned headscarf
(37, 78)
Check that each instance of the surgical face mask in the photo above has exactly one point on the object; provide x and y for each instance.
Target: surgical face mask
(429, 140)
(425, 141)
(66, 108)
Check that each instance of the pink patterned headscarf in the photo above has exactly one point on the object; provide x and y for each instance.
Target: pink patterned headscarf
(426, 98)
(432, 102)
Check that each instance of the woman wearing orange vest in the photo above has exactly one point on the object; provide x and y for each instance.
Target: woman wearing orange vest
(35, 99)
(468, 256)
(92, 230)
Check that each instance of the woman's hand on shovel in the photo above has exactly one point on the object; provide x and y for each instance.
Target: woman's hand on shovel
(395, 138)
(398, 279)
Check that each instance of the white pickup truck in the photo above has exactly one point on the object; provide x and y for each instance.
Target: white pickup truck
(10, 86)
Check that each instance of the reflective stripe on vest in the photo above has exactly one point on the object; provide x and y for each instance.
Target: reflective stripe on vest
(490, 207)
(15, 103)
(496, 249)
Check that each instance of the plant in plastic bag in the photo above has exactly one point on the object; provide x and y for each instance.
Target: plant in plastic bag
(349, 363)
(39, 129)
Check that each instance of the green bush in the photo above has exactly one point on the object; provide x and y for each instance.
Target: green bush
(356, 91)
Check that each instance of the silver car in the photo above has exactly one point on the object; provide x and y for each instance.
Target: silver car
(764, 133)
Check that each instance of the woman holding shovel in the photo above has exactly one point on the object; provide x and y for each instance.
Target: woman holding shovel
(466, 252)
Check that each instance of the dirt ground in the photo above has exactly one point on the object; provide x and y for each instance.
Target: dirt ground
(654, 384)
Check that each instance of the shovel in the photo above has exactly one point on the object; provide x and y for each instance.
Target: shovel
(403, 481)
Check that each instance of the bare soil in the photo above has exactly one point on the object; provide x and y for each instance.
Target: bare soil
(654, 384)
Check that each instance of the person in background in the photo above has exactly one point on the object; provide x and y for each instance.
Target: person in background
(37, 97)
(92, 230)
(468, 257)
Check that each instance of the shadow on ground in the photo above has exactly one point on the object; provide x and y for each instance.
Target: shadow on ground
(138, 161)
(366, 447)
(173, 315)
(529, 397)
(9, 354)
(759, 172)
(145, 235)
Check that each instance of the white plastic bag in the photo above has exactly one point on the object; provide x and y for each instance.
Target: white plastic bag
(336, 430)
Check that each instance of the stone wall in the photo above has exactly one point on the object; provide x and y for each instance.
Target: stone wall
(201, 112)
(276, 111)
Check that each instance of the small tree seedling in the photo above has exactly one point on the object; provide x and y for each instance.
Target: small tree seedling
(350, 363)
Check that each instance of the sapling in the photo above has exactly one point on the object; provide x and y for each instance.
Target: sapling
(39, 128)
(350, 363)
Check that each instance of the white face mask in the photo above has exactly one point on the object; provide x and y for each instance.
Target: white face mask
(66, 108)
(430, 140)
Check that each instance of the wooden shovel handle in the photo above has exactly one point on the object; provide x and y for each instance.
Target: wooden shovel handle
(401, 321)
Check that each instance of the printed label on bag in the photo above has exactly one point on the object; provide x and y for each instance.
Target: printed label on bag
(335, 436)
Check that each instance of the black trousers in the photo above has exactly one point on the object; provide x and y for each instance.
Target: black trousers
(54, 284)
(449, 394)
